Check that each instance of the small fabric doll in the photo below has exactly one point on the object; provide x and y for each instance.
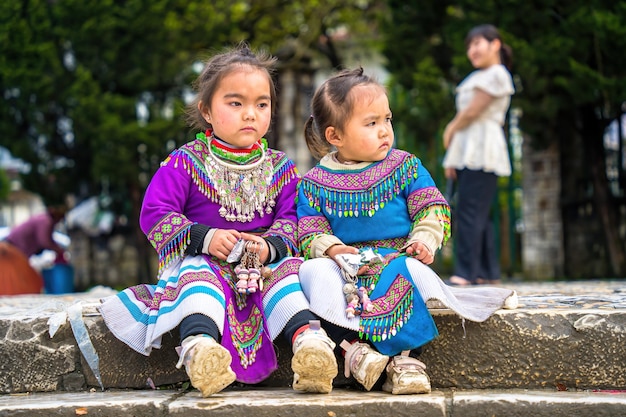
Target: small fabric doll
(365, 300)
(242, 279)
(354, 307)
(254, 276)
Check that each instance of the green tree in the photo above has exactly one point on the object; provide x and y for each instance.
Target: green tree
(5, 185)
(74, 73)
(570, 79)
(94, 89)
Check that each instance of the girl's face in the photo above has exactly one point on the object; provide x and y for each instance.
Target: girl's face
(368, 134)
(483, 53)
(241, 108)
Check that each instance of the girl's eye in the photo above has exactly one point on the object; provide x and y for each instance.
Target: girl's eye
(235, 103)
(263, 105)
(388, 119)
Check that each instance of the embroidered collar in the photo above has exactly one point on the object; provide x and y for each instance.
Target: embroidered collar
(225, 152)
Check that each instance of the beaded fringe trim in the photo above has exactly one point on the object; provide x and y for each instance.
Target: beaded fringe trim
(364, 201)
(247, 345)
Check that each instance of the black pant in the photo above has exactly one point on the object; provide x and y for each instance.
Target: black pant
(474, 237)
(201, 324)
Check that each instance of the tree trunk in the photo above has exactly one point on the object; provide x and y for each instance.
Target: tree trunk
(592, 130)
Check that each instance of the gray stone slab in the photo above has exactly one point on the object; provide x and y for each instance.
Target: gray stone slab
(122, 367)
(521, 403)
(34, 361)
(286, 402)
(341, 402)
(99, 404)
(530, 348)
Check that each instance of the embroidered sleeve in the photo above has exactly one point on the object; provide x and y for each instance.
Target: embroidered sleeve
(430, 215)
(170, 237)
(282, 235)
(315, 236)
(162, 218)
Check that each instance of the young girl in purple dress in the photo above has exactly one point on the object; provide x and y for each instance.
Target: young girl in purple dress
(220, 213)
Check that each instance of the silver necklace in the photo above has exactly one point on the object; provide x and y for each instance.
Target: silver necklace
(242, 190)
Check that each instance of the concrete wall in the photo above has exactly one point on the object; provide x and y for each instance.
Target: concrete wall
(542, 237)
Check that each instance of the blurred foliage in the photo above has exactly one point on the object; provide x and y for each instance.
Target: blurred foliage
(570, 75)
(94, 89)
(567, 59)
(5, 185)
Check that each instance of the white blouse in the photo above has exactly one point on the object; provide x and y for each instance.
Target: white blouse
(481, 145)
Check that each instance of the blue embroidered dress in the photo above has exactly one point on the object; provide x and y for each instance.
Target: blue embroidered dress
(384, 205)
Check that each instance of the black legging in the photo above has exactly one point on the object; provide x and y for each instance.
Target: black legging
(201, 324)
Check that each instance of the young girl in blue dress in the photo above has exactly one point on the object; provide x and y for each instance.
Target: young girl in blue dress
(366, 197)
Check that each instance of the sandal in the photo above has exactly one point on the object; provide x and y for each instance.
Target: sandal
(457, 281)
(492, 282)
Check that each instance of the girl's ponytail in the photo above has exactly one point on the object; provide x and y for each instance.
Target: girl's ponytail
(317, 145)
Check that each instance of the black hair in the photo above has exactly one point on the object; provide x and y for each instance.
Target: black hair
(490, 32)
(219, 66)
(332, 105)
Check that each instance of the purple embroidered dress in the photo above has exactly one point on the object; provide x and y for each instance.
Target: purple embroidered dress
(186, 191)
(383, 205)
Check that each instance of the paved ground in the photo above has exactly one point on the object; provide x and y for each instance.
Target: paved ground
(588, 294)
(341, 402)
(596, 294)
(581, 295)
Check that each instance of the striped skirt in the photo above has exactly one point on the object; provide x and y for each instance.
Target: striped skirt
(140, 315)
(399, 293)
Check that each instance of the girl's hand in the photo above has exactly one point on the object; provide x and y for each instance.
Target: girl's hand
(450, 173)
(223, 242)
(260, 247)
(421, 252)
(447, 135)
(335, 250)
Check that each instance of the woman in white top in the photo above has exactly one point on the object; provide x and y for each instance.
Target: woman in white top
(477, 153)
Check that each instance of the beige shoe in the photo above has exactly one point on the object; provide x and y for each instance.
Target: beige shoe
(406, 375)
(207, 363)
(364, 363)
(314, 364)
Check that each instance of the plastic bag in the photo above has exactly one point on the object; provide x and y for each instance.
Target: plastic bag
(352, 262)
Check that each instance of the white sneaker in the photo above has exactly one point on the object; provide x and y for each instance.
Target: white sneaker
(364, 363)
(406, 375)
(207, 364)
(314, 363)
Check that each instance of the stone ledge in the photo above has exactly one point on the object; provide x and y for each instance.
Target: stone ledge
(284, 401)
(533, 348)
(530, 349)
